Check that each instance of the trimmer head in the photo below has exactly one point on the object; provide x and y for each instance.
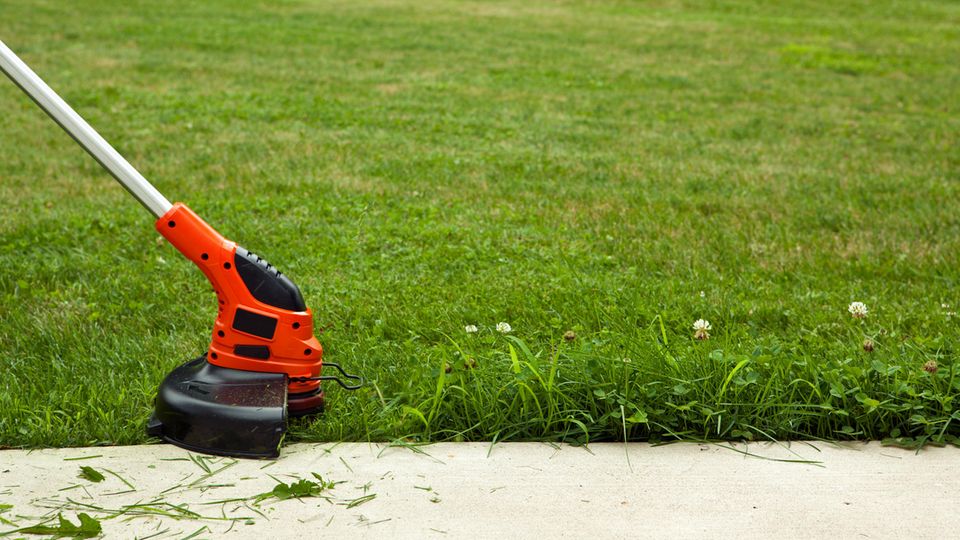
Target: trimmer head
(215, 410)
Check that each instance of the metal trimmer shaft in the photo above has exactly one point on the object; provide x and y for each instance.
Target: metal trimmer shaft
(80, 130)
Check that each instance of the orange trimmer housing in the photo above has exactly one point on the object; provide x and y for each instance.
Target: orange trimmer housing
(262, 323)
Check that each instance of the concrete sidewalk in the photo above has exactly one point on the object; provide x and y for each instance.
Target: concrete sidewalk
(512, 490)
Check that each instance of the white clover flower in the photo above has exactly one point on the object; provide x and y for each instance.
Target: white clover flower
(703, 294)
(701, 326)
(858, 310)
(471, 328)
(503, 328)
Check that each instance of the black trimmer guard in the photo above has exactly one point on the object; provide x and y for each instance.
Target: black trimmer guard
(227, 412)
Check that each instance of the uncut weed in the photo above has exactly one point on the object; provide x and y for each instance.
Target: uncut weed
(665, 393)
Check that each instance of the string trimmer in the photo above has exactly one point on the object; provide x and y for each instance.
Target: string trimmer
(263, 361)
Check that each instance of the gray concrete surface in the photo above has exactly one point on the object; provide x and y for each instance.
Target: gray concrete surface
(513, 490)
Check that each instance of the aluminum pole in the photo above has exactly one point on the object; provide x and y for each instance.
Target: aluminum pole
(80, 130)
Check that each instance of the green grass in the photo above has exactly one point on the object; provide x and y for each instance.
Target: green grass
(420, 166)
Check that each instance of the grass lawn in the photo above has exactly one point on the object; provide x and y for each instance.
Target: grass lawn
(614, 169)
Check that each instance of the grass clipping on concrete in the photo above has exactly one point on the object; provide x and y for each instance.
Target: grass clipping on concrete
(162, 513)
(598, 176)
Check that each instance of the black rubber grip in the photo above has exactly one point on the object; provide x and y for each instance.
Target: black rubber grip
(266, 283)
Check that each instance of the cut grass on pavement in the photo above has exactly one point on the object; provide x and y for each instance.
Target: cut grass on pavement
(616, 170)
